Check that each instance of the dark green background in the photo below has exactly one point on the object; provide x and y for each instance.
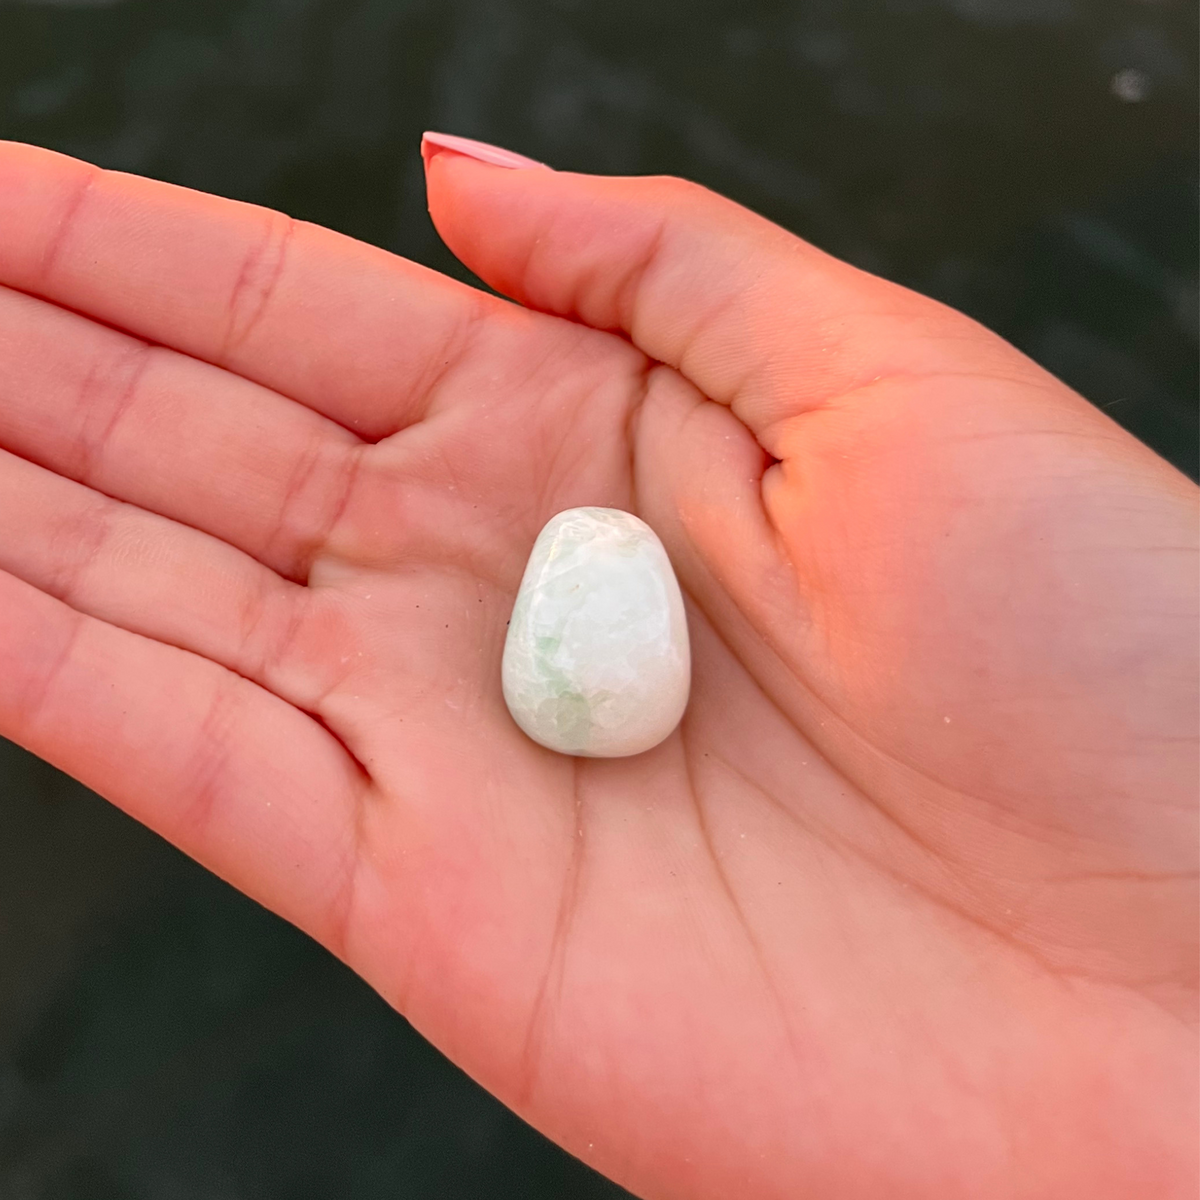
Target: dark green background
(1030, 161)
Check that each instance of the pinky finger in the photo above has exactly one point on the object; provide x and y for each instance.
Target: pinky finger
(235, 777)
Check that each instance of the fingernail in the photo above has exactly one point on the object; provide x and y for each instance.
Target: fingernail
(431, 143)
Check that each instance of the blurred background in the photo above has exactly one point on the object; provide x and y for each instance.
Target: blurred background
(1033, 162)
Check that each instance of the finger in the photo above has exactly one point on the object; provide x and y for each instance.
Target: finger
(753, 316)
(347, 329)
(232, 775)
(698, 478)
(166, 581)
(171, 434)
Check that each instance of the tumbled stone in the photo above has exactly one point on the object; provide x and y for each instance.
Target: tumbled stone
(597, 662)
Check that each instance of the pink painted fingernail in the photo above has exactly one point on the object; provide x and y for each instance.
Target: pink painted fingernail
(431, 143)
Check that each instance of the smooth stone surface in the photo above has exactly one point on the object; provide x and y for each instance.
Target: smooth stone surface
(597, 661)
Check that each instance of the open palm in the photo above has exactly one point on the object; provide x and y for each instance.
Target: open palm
(906, 907)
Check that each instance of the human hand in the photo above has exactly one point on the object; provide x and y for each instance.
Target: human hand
(907, 905)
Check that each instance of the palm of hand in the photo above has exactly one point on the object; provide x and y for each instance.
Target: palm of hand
(858, 924)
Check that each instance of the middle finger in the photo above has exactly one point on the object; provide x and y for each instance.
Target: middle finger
(171, 434)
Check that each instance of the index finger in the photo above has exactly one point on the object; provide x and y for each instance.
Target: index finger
(344, 328)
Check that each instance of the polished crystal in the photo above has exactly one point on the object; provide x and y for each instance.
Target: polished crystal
(596, 662)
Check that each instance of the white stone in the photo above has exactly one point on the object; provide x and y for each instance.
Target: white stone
(597, 662)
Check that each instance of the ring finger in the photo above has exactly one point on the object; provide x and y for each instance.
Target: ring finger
(152, 576)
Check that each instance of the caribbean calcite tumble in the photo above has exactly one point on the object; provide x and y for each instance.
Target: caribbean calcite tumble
(597, 662)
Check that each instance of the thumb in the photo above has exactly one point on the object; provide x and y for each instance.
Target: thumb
(753, 316)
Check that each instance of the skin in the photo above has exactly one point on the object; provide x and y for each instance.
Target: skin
(907, 907)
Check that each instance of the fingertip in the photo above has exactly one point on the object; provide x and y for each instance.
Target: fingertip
(434, 143)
